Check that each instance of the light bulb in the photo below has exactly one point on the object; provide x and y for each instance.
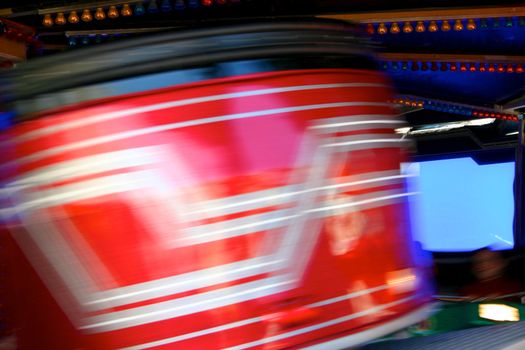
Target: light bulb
(433, 27)
(73, 17)
(152, 7)
(407, 28)
(126, 10)
(100, 14)
(394, 28)
(471, 25)
(458, 25)
(113, 12)
(47, 21)
(165, 6)
(381, 29)
(445, 26)
(86, 16)
(60, 19)
(139, 9)
(420, 27)
(179, 5)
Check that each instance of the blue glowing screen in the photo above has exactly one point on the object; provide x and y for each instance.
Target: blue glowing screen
(462, 206)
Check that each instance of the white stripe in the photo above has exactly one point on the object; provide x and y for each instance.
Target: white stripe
(187, 305)
(363, 202)
(276, 219)
(154, 129)
(91, 165)
(165, 105)
(184, 282)
(236, 227)
(322, 325)
(378, 331)
(93, 188)
(355, 140)
(279, 196)
(195, 334)
(250, 320)
(355, 125)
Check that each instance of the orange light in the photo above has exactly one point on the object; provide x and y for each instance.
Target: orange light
(407, 28)
(510, 68)
(370, 29)
(420, 27)
(113, 12)
(482, 68)
(471, 25)
(472, 67)
(500, 68)
(453, 67)
(126, 10)
(394, 28)
(519, 68)
(60, 19)
(47, 21)
(458, 25)
(463, 67)
(445, 26)
(100, 14)
(433, 27)
(73, 17)
(491, 68)
(86, 16)
(382, 29)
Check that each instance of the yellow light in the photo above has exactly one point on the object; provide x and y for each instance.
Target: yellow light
(458, 25)
(73, 17)
(113, 12)
(60, 19)
(126, 10)
(407, 28)
(433, 27)
(99, 14)
(394, 28)
(420, 27)
(498, 312)
(471, 25)
(86, 16)
(381, 29)
(401, 281)
(47, 21)
(445, 26)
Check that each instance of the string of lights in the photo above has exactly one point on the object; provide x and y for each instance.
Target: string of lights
(114, 10)
(482, 67)
(444, 25)
(415, 102)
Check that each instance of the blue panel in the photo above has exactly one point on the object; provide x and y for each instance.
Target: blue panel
(463, 206)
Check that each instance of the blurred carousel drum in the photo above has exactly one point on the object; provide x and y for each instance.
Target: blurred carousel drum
(229, 188)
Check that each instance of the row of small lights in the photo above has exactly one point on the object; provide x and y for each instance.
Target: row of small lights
(84, 40)
(444, 26)
(453, 108)
(455, 67)
(126, 10)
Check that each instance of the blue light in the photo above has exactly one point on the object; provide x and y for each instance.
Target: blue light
(193, 3)
(139, 9)
(463, 206)
(6, 120)
(165, 6)
(152, 7)
(179, 5)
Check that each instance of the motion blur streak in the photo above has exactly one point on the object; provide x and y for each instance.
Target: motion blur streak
(238, 212)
